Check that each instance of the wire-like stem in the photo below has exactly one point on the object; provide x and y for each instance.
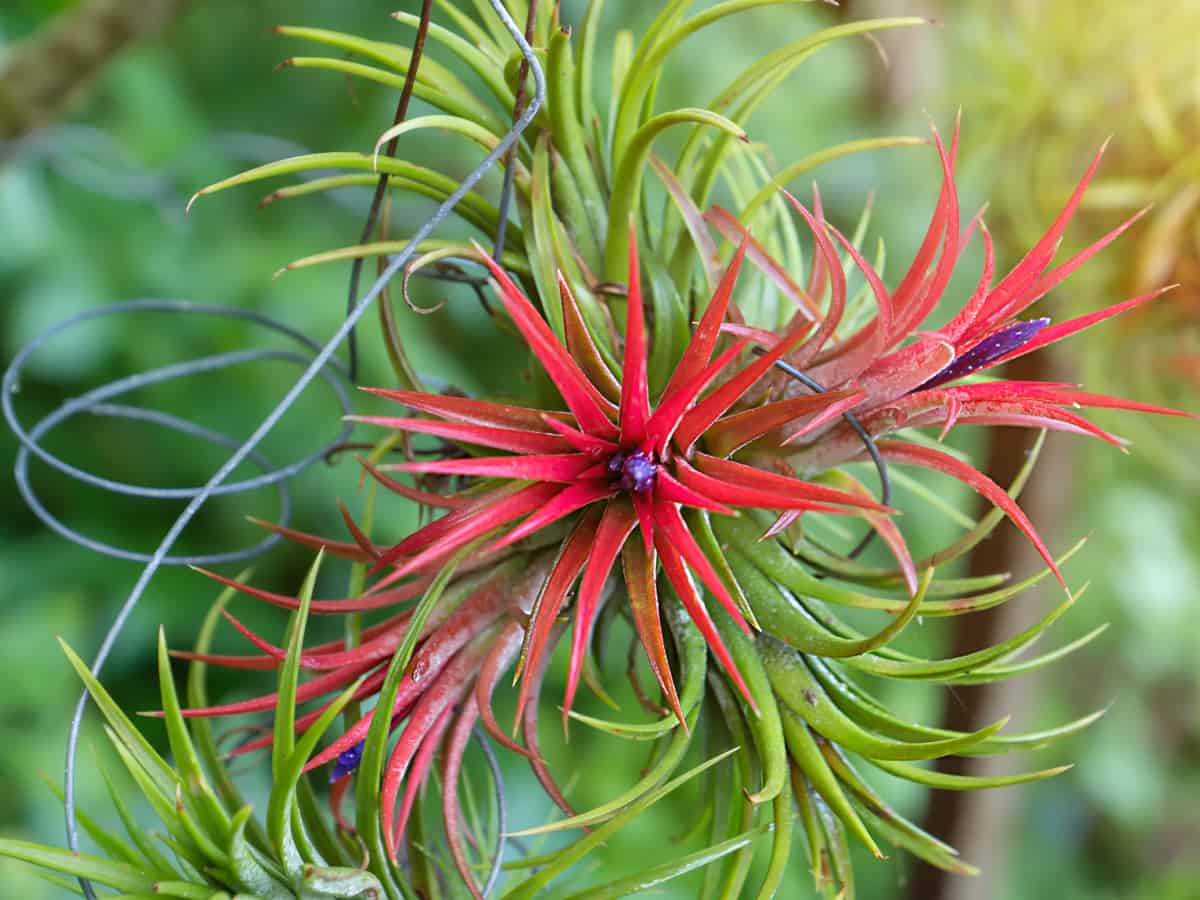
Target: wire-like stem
(320, 361)
(406, 92)
(510, 163)
(885, 483)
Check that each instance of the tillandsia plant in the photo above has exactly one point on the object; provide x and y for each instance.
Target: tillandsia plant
(684, 454)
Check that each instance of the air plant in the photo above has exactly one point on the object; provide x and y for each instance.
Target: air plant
(699, 481)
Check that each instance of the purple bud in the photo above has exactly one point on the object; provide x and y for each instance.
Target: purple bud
(347, 762)
(616, 462)
(637, 472)
(987, 351)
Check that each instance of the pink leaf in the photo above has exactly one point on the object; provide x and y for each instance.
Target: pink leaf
(582, 397)
(511, 439)
(615, 526)
(913, 454)
(635, 391)
(560, 467)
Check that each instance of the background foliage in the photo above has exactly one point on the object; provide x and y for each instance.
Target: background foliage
(82, 227)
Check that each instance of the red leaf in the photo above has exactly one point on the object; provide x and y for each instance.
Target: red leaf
(670, 528)
(309, 690)
(928, 293)
(913, 454)
(904, 370)
(438, 501)
(704, 339)
(643, 505)
(581, 346)
(668, 488)
(1025, 273)
(396, 595)
(1049, 280)
(504, 651)
(560, 467)
(528, 716)
(733, 230)
(965, 318)
(582, 398)
(340, 549)
(500, 513)
(360, 536)
(572, 498)
(472, 412)
(639, 566)
(692, 602)
(566, 569)
(456, 748)
(584, 443)
(736, 431)
(917, 273)
(675, 405)
(885, 526)
(726, 480)
(697, 420)
(441, 641)
(449, 523)
(424, 743)
(837, 296)
(616, 523)
(1053, 333)
(511, 439)
(635, 390)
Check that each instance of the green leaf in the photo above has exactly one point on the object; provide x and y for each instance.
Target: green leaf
(121, 876)
(108, 842)
(568, 856)
(945, 781)
(807, 757)
(188, 840)
(254, 871)
(765, 725)
(569, 134)
(513, 261)
(184, 890)
(661, 874)
(804, 695)
(992, 673)
(154, 863)
(279, 810)
(202, 729)
(789, 619)
(630, 170)
(733, 812)
(310, 162)
(781, 845)
(483, 66)
(125, 733)
(464, 106)
(196, 788)
(455, 125)
(676, 749)
(393, 56)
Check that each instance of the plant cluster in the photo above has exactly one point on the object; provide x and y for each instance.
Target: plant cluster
(682, 460)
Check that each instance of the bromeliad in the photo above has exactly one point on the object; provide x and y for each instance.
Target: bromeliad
(618, 468)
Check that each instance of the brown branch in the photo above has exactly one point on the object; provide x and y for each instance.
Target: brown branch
(42, 74)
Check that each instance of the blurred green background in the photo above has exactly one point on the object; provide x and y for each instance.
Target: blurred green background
(92, 213)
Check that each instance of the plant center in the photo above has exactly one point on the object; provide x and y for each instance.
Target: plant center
(634, 470)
